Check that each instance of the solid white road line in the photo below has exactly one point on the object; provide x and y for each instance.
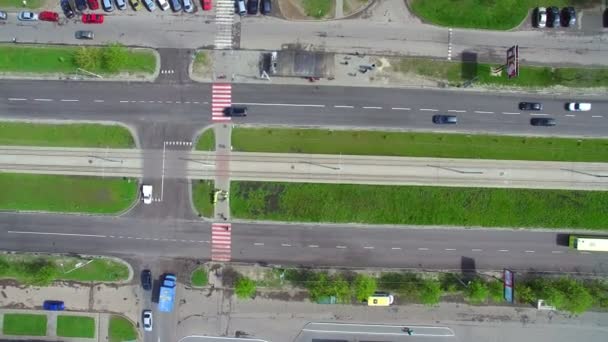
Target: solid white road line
(59, 234)
(278, 104)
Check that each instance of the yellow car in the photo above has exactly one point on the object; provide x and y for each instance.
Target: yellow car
(135, 4)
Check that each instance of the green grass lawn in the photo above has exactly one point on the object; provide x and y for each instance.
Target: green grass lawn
(317, 8)
(69, 135)
(6, 4)
(98, 270)
(411, 144)
(202, 61)
(202, 196)
(75, 326)
(199, 277)
(61, 59)
(121, 329)
(206, 141)
(456, 73)
(26, 268)
(483, 14)
(419, 205)
(58, 193)
(24, 324)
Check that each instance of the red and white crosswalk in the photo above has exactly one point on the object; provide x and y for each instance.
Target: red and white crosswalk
(221, 241)
(221, 97)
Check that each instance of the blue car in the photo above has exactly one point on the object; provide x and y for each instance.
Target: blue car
(53, 305)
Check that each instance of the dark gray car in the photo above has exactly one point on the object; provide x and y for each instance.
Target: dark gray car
(235, 111)
(543, 122)
(84, 35)
(445, 119)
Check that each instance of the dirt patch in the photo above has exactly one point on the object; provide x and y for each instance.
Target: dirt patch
(353, 6)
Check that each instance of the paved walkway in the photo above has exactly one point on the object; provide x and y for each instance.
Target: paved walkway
(101, 325)
(224, 165)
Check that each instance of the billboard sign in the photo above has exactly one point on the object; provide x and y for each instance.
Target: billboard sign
(508, 281)
(513, 61)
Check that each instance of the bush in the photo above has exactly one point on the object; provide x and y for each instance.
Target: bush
(477, 291)
(575, 298)
(245, 288)
(496, 290)
(365, 286)
(88, 58)
(430, 291)
(114, 57)
(599, 292)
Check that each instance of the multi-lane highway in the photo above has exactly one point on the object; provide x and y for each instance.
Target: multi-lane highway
(187, 106)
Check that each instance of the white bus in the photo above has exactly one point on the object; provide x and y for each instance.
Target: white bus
(589, 243)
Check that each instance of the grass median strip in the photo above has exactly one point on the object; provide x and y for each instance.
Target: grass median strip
(70, 135)
(75, 326)
(108, 60)
(419, 205)
(57, 193)
(44, 269)
(206, 141)
(202, 196)
(24, 324)
(121, 329)
(409, 144)
(483, 14)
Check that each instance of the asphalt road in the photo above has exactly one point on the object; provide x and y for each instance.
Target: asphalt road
(186, 107)
(386, 29)
(295, 244)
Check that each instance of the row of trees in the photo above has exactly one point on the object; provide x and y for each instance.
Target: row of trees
(565, 293)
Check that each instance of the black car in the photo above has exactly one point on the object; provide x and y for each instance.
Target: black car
(530, 106)
(265, 7)
(542, 122)
(81, 5)
(67, 9)
(146, 280)
(252, 7)
(553, 17)
(568, 16)
(235, 111)
(445, 119)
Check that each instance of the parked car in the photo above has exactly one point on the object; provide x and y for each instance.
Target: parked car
(146, 280)
(445, 119)
(67, 9)
(568, 16)
(150, 5)
(93, 4)
(107, 5)
(3, 15)
(81, 5)
(578, 106)
(235, 111)
(84, 35)
(252, 7)
(530, 106)
(27, 16)
(188, 7)
(541, 17)
(176, 6)
(92, 18)
(121, 4)
(163, 4)
(48, 16)
(53, 305)
(265, 7)
(542, 122)
(553, 17)
(206, 5)
(147, 320)
(135, 4)
(240, 7)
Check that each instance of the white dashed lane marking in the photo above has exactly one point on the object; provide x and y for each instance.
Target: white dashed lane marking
(344, 107)
(511, 113)
(400, 108)
(372, 107)
(483, 112)
(597, 116)
(16, 99)
(44, 100)
(429, 110)
(69, 100)
(539, 114)
(456, 111)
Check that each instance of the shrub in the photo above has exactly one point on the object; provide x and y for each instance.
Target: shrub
(477, 291)
(245, 288)
(430, 291)
(496, 290)
(114, 57)
(365, 286)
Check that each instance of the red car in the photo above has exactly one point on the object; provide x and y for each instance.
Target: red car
(48, 16)
(93, 4)
(206, 5)
(92, 18)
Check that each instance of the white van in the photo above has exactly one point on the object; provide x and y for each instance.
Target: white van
(241, 7)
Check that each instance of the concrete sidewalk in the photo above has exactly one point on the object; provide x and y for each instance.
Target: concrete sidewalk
(346, 169)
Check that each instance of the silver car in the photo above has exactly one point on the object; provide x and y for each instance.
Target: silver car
(150, 5)
(84, 35)
(3, 15)
(27, 16)
(147, 320)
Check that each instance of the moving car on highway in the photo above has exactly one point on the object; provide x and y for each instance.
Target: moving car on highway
(48, 16)
(27, 16)
(543, 122)
(445, 119)
(530, 106)
(84, 35)
(578, 106)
